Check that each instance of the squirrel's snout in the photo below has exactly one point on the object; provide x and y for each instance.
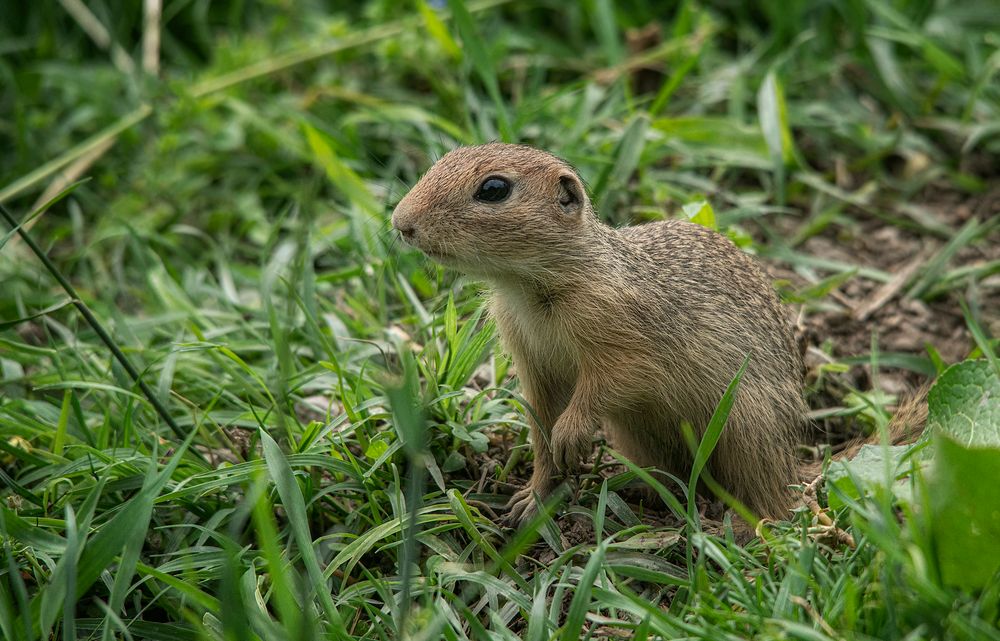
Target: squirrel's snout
(407, 230)
(404, 223)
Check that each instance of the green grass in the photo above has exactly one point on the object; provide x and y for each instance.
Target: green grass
(352, 428)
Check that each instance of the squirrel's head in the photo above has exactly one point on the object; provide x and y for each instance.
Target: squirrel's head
(497, 210)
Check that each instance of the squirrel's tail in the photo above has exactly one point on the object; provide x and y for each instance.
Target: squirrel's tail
(906, 426)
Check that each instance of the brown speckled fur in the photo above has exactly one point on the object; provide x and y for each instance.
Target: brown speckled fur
(635, 329)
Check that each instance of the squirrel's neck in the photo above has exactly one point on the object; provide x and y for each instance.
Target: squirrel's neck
(574, 268)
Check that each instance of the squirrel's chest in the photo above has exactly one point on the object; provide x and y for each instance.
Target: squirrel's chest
(536, 332)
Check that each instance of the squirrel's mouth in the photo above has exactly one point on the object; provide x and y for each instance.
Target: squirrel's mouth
(438, 255)
(432, 252)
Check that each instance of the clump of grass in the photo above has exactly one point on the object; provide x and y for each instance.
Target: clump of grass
(345, 418)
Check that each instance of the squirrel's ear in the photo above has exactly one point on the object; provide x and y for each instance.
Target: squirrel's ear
(571, 194)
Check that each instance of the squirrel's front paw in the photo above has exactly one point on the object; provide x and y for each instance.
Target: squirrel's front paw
(570, 445)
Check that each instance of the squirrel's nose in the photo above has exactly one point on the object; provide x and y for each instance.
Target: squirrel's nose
(404, 224)
(407, 230)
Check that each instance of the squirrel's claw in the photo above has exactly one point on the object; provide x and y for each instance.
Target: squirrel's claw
(569, 448)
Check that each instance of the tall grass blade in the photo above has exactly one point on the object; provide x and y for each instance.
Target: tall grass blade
(482, 62)
(581, 597)
(291, 499)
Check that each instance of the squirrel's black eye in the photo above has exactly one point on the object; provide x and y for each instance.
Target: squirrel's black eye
(493, 190)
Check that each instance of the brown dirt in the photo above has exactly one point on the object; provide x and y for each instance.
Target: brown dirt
(900, 323)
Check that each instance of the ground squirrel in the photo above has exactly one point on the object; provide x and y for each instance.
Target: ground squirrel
(634, 329)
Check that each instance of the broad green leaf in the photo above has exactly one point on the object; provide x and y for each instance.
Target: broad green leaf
(653, 540)
(701, 212)
(477, 440)
(964, 404)
(867, 470)
(965, 511)
(376, 448)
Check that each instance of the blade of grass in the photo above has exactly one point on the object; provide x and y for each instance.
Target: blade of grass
(98, 553)
(71, 556)
(936, 264)
(712, 435)
(411, 427)
(19, 627)
(626, 160)
(464, 514)
(773, 114)
(580, 604)
(602, 21)
(482, 62)
(437, 29)
(284, 588)
(291, 499)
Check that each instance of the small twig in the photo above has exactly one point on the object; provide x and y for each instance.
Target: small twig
(827, 527)
(484, 507)
(809, 498)
(151, 37)
(98, 33)
(889, 290)
(482, 477)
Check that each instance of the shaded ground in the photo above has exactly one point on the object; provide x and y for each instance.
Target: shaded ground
(903, 323)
